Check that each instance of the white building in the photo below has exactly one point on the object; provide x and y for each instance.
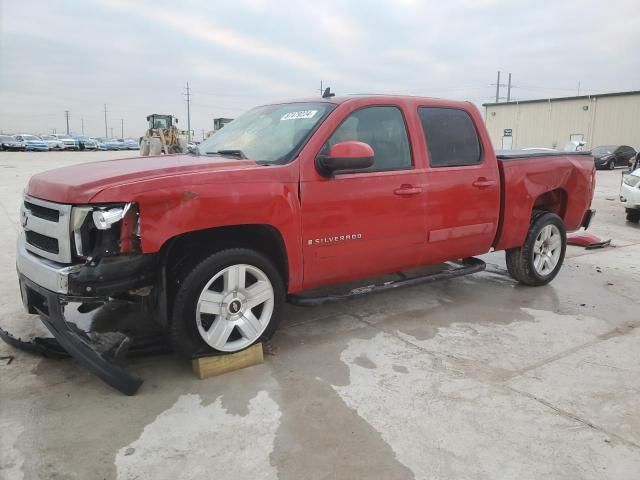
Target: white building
(606, 119)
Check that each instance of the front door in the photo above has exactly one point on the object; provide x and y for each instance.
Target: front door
(367, 222)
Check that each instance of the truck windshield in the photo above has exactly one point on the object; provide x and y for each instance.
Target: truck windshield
(270, 134)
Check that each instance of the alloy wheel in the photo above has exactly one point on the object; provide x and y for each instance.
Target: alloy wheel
(547, 249)
(235, 307)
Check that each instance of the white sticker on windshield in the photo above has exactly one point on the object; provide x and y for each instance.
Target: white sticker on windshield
(300, 114)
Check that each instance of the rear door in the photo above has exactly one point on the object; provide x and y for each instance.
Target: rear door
(463, 185)
(365, 222)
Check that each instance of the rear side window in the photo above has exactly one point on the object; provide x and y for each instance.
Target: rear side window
(384, 130)
(452, 139)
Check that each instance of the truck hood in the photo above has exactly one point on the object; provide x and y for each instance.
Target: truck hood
(78, 184)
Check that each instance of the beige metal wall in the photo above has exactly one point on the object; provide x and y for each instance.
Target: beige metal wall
(602, 120)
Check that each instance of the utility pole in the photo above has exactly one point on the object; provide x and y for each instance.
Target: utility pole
(105, 121)
(82, 123)
(498, 85)
(188, 97)
(122, 128)
(203, 134)
(509, 88)
(66, 116)
(111, 128)
(578, 88)
(321, 91)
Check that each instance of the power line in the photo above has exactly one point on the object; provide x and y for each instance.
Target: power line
(188, 97)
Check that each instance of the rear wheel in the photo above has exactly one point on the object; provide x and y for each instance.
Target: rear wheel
(611, 165)
(539, 260)
(226, 303)
(633, 215)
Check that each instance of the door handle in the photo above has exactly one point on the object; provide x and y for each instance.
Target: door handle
(483, 183)
(407, 190)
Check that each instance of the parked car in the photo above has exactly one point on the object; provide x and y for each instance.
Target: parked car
(33, 143)
(574, 146)
(539, 149)
(53, 142)
(110, 144)
(612, 156)
(630, 195)
(292, 200)
(69, 142)
(100, 143)
(130, 144)
(9, 143)
(86, 143)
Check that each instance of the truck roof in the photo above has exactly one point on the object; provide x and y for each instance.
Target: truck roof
(369, 97)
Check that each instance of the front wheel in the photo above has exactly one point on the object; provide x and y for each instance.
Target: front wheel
(611, 165)
(226, 303)
(539, 260)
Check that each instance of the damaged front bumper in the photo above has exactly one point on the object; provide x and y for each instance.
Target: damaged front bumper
(98, 352)
(47, 288)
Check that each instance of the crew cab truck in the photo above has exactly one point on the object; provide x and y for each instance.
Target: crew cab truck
(285, 199)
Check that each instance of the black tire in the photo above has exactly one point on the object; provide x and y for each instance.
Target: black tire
(184, 333)
(520, 260)
(633, 216)
(611, 165)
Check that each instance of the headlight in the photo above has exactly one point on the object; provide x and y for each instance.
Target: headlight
(103, 219)
(105, 230)
(631, 180)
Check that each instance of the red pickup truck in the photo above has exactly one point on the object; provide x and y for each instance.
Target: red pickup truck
(285, 199)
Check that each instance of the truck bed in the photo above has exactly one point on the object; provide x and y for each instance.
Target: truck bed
(526, 154)
(535, 180)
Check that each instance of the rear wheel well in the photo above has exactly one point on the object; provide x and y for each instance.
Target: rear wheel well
(553, 201)
(182, 253)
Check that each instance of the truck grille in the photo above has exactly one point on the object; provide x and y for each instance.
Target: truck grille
(43, 242)
(42, 212)
(47, 229)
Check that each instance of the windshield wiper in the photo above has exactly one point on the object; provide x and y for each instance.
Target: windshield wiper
(234, 153)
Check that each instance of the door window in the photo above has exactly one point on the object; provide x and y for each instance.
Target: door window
(383, 128)
(451, 137)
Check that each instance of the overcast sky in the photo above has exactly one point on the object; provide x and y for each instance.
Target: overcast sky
(137, 56)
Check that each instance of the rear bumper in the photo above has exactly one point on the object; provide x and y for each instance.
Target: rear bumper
(588, 216)
(50, 305)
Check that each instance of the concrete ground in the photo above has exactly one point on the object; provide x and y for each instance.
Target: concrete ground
(474, 378)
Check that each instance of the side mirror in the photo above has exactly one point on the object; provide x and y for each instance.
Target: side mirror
(349, 155)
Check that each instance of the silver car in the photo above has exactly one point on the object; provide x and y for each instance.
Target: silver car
(53, 142)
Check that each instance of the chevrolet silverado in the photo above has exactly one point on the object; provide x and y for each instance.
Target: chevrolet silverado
(288, 198)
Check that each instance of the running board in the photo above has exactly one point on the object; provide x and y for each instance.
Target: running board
(464, 267)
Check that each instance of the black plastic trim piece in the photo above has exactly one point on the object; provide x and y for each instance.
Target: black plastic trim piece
(110, 276)
(588, 216)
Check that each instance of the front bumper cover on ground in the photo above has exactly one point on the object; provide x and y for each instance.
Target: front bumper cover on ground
(100, 353)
